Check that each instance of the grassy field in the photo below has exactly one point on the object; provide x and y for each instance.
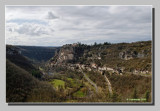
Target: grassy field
(73, 82)
(57, 82)
(79, 94)
(70, 79)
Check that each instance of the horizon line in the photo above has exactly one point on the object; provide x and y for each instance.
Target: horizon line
(77, 42)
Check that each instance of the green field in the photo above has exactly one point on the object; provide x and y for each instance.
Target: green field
(70, 79)
(57, 82)
(73, 82)
(79, 94)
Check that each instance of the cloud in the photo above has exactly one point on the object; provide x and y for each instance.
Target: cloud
(29, 29)
(21, 21)
(59, 25)
(51, 16)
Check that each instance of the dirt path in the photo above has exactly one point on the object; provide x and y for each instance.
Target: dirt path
(91, 82)
(109, 84)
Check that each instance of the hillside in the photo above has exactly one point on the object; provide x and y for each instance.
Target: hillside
(37, 53)
(23, 87)
(109, 72)
(23, 80)
(122, 57)
(81, 73)
(13, 54)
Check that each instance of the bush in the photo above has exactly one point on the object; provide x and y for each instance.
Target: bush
(36, 73)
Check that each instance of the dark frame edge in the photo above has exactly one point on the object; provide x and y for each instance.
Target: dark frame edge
(109, 104)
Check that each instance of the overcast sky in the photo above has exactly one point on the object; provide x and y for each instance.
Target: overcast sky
(59, 25)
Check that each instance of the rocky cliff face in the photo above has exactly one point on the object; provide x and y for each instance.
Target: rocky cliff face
(65, 54)
(69, 53)
(127, 54)
(115, 58)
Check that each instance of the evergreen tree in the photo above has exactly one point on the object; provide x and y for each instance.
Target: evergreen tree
(147, 96)
(135, 94)
(95, 44)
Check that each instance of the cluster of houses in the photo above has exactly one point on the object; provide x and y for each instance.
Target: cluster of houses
(141, 72)
(94, 67)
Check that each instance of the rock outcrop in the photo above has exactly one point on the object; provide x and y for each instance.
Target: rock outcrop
(101, 58)
(127, 54)
(65, 55)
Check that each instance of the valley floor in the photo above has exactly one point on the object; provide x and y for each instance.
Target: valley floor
(94, 87)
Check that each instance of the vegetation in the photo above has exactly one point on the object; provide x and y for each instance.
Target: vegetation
(37, 74)
(38, 54)
(23, 87)
(42, 74)
(147, 96)
(130, 86)
(57, 83)
(79, 94)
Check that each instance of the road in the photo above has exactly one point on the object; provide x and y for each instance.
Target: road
(91, 82)
(95, 86)
(109, 85)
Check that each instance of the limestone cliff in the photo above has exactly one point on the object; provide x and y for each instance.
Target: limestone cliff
(114, 58)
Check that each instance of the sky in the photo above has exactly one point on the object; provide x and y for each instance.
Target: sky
(60, 25)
